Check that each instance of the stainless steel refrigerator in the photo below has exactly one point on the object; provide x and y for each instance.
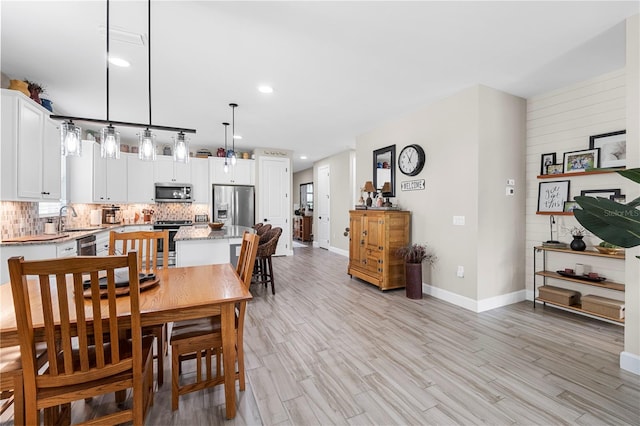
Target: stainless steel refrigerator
(234, 205)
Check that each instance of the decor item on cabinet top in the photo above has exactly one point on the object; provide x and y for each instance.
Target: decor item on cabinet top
(613, 222)
(35, 90)
(110, 142)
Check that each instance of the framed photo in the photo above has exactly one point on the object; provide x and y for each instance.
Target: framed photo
(552, 195)
(613, 148)
(621, 199)
(545, 161)
(570, 206)
(554, 169)
(580, 161)
(604, 193)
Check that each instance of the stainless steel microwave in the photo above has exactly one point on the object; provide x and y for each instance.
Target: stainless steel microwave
(173, 193)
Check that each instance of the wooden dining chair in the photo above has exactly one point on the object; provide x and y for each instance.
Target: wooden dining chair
(86, 358)
(146, 244)
(11, 382)
(202, 339)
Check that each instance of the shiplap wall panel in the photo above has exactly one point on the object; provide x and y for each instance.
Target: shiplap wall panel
(562, 121)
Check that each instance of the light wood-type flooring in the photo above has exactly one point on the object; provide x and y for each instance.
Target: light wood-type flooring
(327, 349)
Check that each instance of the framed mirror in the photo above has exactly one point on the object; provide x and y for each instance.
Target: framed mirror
(384, 169)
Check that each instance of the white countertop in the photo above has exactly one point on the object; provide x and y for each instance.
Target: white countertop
(203, 232)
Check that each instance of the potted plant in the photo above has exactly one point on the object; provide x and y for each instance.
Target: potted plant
(414, 255)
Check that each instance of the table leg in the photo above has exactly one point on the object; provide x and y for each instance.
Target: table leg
(227, 319)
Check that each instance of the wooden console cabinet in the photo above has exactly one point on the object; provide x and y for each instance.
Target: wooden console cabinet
(302, 228)
(374, 236)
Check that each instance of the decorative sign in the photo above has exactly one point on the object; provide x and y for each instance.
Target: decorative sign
(412, 185)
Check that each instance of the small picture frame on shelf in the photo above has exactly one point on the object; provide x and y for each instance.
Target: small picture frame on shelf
(545, 161)
(552, 195)
(570, 206)
(603, 193)
(554, 169)
(581, 161)
(620, 199)
(613, 148)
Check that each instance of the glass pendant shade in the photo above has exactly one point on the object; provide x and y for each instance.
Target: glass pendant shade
(70, 136)
(181, 148)
(147, 146)
(110, 143)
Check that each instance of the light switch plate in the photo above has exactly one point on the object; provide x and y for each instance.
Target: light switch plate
(511, 182)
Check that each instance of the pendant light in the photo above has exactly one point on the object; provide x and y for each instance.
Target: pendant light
(226, 166)
(233, 133)
(181, 148)
(110, 141)
(147, 145)
(70, 136)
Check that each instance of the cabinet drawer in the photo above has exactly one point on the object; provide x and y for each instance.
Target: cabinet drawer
(67, 249)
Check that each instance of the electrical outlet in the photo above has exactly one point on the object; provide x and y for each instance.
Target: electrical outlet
(510, 190)
(460, 272)
(458, 220)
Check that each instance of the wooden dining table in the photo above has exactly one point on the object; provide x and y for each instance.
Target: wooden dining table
(182, 293)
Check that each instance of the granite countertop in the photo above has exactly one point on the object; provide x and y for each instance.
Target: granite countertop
(203, 232)
(66, 236)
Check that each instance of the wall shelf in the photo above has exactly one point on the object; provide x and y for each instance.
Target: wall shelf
(592, 172)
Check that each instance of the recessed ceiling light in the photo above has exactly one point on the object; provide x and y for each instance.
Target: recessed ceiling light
(265, 89)
(303, 157)
(119, 62)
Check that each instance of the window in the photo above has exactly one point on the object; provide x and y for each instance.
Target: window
(49, 209)
(306, 196)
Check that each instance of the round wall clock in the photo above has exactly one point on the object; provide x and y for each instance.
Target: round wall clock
(411, 160)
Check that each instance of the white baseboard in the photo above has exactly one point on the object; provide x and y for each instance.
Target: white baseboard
(342, 252)
(475, 305)
(630, 362)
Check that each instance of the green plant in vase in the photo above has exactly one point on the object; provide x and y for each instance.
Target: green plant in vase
(615, 223)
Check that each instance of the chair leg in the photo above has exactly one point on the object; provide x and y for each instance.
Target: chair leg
(160, 350)
(273, 285)
(18, 400)
(175, 376)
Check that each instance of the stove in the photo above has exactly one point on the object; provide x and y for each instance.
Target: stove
(172, 226)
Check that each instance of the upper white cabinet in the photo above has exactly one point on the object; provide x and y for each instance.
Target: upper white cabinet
(200, 180)
(140, 180)
(92, 179)
(242, 173)
(31, 158)
(166, 170)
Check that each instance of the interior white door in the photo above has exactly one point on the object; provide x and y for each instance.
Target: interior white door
(324, 179)
(275, 200)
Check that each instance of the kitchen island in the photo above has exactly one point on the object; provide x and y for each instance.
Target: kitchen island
(200, 245)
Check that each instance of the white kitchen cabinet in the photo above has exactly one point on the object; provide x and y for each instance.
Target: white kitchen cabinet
(109, 178)
(242, 173)
(166, 170)
(67, 249)
(102, 243)
(92, 179)
(28, 251)
(140, 180)
(31, 157)
(200, 180)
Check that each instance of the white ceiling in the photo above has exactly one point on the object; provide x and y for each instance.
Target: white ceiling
(338, 69)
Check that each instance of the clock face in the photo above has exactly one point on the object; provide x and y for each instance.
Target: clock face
(411, 160)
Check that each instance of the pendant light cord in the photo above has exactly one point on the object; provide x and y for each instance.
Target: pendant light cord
(107, 60)
(149, 54)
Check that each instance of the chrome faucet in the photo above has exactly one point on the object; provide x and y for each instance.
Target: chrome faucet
(73, 213)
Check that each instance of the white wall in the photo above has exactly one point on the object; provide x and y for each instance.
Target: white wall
(630, 358)
(562, 121)
(473, 141)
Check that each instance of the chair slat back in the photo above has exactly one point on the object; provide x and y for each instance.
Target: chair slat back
(69, 317)
(247, 257)
(145, 243)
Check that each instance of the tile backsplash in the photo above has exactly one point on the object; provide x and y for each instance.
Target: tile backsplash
(18, 219)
